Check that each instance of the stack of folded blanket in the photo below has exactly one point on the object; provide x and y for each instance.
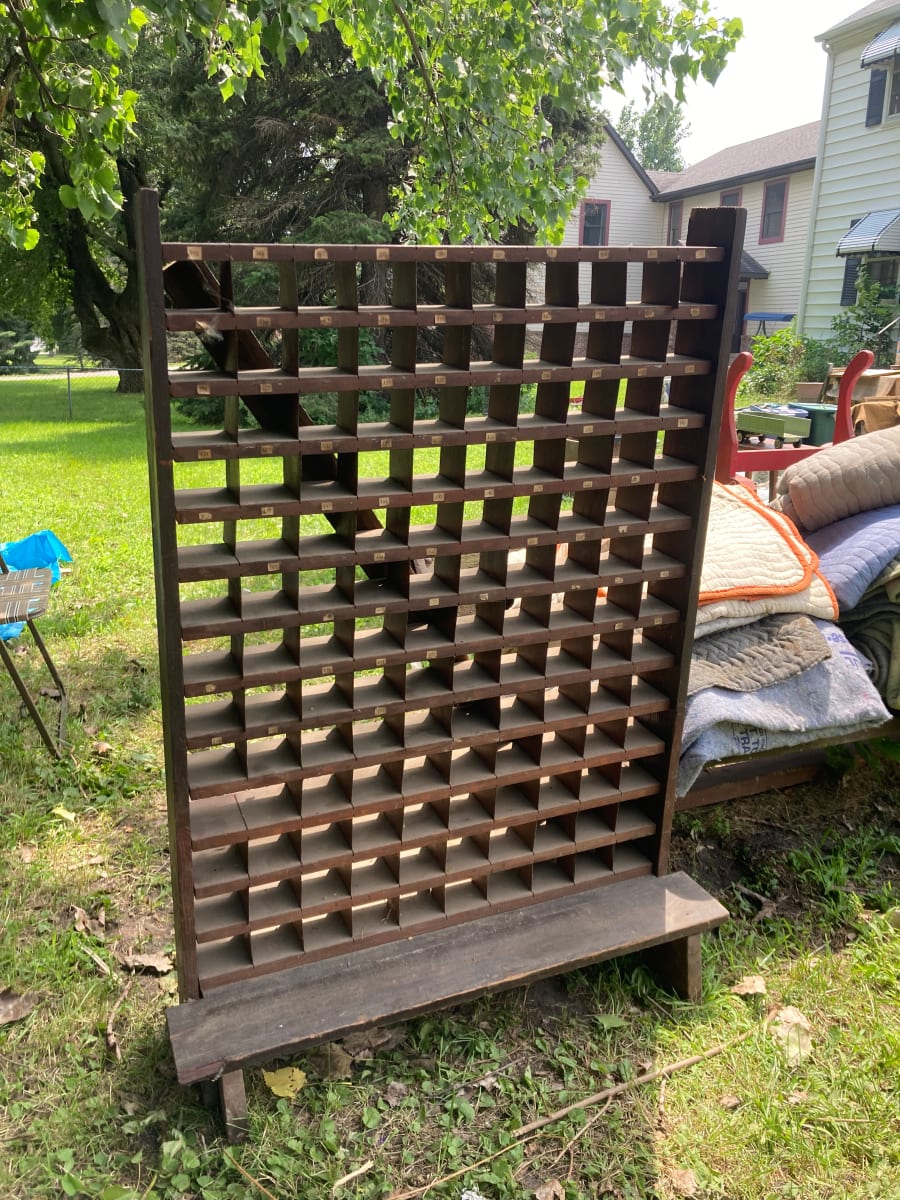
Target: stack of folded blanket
(771, 667)
(846, 500)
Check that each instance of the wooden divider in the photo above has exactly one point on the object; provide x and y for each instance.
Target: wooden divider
(427, 669)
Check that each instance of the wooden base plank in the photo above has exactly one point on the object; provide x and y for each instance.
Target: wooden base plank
(247, 1023)
(737, 778)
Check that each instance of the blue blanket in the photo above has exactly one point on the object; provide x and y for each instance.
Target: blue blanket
(853, 552)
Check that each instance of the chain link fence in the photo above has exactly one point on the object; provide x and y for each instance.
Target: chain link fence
(68, 380)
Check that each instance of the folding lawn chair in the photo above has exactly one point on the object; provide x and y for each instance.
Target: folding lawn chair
(24, 595)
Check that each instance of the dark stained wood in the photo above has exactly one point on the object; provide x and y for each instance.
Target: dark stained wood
(677, 965)
(213, 1036)
(424, 675)
(233, 1103)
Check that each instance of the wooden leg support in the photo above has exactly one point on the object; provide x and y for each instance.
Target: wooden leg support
(233, 1100)
(677, 966)
(228, 1095)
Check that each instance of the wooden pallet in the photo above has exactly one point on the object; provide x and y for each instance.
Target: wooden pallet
(425, 671)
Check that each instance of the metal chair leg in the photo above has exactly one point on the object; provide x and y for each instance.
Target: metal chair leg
(29, 703)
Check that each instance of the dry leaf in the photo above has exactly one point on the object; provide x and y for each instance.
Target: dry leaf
(27, 854)
(396, 1093)
(361, 1046)
(330, 1062)
(287, 1082)
(750, 985)
(791, 1029)
(61, 811)
(730, 1102)
(551, 1190)
(101, 749)
(83, 923)
(50, 692)
(153, 964)
(684, 1182)
(13, 1007)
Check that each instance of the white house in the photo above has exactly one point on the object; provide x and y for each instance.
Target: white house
(856, 192)
(771, 177)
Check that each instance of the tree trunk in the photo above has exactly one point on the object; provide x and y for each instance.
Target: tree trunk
(109, 316)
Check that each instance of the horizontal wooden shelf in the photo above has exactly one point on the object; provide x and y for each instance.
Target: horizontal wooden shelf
(215, 671)
(323, 497)
(202, 320)
(317, 551)
(373, 697)
(227, 820)
(278, 252)
(260, 611)
(217, 445)
(271, 761)
(309, 380)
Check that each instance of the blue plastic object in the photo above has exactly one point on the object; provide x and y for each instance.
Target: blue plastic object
(42, 549)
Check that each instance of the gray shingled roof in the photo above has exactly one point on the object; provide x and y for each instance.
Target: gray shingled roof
(886, 7)
(664, 179)
(776, 154)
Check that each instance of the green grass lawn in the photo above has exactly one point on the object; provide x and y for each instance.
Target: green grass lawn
(88, 1102)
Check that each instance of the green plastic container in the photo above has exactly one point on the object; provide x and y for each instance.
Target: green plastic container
(821, 423)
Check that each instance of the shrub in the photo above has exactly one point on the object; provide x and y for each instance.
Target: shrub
(777, 363)
(865, 325)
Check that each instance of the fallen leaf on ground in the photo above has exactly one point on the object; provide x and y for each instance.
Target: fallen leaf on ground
(396, 1092)
(13, 1007)
(101, 749)
(730, 1102)
(50, 692)
(330, 1062)
(27, 854)
(551, 1190)
(750, 985)
(287, 1082)
(60, 811)
(155, 964)
(791, 1029)
(684, 1182)
(84, 923)
(363, 1045)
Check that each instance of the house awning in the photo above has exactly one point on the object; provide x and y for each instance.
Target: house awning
(750, 268)
(877, 233)
(883, 48)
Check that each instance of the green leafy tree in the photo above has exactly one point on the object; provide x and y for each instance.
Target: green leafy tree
(16, 342)
(466, 81)
(443, 120)
(654, 136)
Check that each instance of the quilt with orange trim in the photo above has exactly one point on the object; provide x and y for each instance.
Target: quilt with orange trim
(756, 563)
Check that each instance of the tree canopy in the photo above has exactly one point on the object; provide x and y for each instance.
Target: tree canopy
(470, 85)
(654, 136)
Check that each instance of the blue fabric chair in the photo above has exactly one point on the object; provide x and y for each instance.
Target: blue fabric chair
(28, 570)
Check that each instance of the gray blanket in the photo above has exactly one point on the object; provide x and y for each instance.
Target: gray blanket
(758, 655)
(835, 697)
